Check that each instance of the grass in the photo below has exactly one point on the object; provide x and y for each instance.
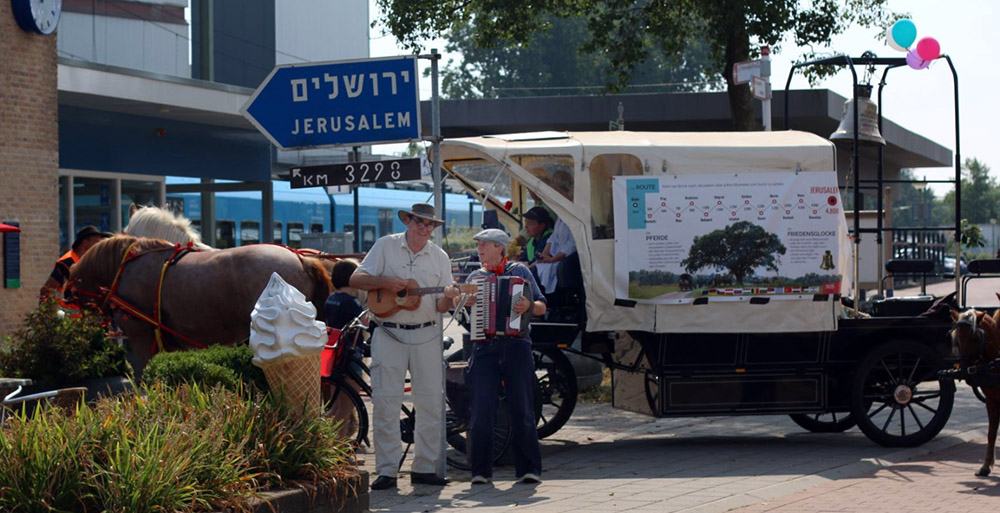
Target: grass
(648, 292)
(185, 449)
(600, 393)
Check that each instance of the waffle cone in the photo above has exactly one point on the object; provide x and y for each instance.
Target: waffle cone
(299, 379)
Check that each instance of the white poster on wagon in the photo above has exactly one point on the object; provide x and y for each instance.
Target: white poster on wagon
(729, 237)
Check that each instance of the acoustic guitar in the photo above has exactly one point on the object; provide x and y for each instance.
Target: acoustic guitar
(384, 303)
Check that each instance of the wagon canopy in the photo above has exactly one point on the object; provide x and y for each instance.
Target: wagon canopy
(658, 219)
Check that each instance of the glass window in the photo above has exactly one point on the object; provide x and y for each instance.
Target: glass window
(225, 234)
(316, 228)
(348, 227)
(555, 170)
(602, 169)
(295, 235)
(385, 220)
(367, 236)
(92, 203)
(249, 232)
(277, 233)
(143, 193)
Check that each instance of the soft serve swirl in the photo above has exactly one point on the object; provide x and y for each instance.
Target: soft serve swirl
(283, 325)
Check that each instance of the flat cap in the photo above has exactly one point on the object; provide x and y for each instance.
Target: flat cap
(493, 235)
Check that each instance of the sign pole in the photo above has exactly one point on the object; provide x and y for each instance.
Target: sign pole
(356, 157)
(765, 71)
(436, 140)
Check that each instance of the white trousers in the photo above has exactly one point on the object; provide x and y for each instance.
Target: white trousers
(390, 361)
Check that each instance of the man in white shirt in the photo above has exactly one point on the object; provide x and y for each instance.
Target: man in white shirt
(408, 340)
(559, 246)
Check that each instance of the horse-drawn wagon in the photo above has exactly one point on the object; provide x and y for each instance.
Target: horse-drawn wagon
(712, 268)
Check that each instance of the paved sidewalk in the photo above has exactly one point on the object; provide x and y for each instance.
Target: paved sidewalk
(607, 460)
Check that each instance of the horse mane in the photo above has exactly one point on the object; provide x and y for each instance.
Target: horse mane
(100, 263)
(159, 223)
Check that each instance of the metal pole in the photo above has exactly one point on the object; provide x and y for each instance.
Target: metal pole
(356, 157)
(765, 72)
(436, 139)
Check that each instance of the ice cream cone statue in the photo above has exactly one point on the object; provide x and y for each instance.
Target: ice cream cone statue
(287, 342)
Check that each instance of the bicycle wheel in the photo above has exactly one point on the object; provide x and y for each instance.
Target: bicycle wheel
(342, 402)
(558, 389)
(458, 440)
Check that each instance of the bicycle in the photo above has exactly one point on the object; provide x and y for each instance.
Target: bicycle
(346, 378)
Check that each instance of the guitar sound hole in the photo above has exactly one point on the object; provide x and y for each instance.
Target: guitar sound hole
(401, 293)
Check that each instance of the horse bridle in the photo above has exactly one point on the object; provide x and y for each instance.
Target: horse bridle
(969, 321)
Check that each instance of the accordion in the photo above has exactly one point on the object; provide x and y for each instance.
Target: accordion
(493, 311)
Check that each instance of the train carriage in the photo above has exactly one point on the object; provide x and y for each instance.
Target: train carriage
(299, 211)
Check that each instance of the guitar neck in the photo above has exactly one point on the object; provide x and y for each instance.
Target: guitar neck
(423, 291)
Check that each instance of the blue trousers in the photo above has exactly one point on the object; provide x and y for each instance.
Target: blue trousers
(509, 359)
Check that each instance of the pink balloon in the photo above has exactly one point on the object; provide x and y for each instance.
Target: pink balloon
(915, 61)
(928, 49)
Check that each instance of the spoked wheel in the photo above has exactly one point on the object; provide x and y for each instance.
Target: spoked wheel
(457, 453)
(828, 422)
(342, 402)
(897, 398)
(557, 388)
(651, 384)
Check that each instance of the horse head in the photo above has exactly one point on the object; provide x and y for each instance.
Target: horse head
(975, 335)
(163, 224)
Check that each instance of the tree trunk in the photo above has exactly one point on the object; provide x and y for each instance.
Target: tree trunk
(740, 100)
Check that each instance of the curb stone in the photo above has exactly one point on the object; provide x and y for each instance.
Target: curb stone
(302, 501)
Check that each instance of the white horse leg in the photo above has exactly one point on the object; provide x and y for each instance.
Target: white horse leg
(993, 412)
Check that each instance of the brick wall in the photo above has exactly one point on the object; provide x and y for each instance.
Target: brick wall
(29, 159)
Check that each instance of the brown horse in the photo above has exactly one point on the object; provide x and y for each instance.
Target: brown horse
(976, 340)
(204, 297)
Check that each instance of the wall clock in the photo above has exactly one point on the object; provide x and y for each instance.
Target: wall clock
(40, 16)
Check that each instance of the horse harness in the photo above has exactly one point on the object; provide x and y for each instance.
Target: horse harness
(975, 375)
(111, 296)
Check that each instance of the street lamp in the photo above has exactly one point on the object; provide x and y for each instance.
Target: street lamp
(993, 235)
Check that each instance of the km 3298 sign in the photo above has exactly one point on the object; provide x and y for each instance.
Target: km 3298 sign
(343, 103)
(356, 173)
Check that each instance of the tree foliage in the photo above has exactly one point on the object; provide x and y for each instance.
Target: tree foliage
(980, 194)
(627, 32)
(740, 247)
(552, 64)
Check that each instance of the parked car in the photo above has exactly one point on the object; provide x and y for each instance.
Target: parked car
(949, 265)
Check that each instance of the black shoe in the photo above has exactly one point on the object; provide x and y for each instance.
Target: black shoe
(427, 479)
(384, 483)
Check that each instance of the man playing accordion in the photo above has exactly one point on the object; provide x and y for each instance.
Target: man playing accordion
(507, 357)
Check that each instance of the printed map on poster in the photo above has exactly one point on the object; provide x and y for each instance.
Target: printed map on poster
(727, 238)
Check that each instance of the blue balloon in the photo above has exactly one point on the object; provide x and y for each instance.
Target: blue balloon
(903, 33)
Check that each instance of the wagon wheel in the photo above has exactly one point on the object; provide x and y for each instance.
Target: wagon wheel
(651, 384)
(557, 389)
(828, 422)
(897, 398)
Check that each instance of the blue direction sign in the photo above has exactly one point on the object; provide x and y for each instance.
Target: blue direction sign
(344, 103)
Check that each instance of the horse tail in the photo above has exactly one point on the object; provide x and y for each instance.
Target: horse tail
(322, 286)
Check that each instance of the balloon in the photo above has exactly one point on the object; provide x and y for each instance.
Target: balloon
(904, 33)
(892, 42)
(928, 49)
(915, 61)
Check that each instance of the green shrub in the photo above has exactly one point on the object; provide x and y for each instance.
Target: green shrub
(56, 349)
(186, 449)
(228, 366)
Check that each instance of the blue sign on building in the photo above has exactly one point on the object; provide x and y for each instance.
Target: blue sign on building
(340, 103)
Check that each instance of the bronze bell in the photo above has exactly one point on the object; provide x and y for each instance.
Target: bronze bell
(867, 120)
